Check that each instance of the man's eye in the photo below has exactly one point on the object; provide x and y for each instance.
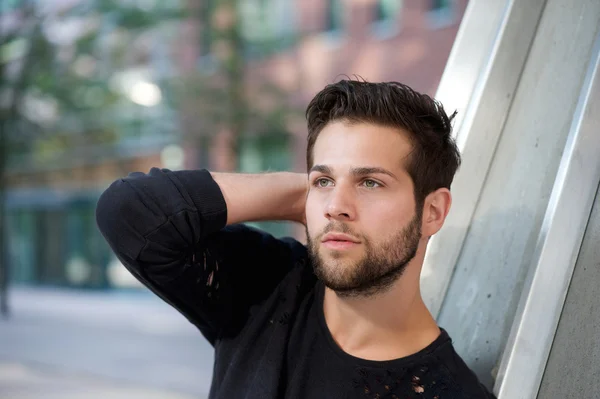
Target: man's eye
(322, 182)
(370, 183)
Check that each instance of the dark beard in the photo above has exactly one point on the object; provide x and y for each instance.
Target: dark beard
(376, 272)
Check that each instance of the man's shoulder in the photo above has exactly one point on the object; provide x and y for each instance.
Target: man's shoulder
(286, 256)
(246, 232)
(246, 243)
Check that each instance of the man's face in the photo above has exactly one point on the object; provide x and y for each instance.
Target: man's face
(361, 222)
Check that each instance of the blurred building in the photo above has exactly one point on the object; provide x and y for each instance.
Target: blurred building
(318, 42)
(290, 49)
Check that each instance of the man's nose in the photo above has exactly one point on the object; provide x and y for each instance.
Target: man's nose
(340, 205)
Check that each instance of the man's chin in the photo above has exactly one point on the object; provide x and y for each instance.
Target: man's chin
(348, 289)
(345, 289)
(334, 274)
(351, 254)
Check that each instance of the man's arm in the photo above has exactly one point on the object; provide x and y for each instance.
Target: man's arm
(270, 196)
(168, 229)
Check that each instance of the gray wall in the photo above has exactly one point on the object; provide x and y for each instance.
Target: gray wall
(496, 255)
(573, 369)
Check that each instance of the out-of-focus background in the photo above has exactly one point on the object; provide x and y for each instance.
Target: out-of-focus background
(94, 89)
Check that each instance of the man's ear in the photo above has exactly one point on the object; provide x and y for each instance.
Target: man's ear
(435, 209)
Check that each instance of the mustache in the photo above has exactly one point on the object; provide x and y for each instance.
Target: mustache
(338, 227)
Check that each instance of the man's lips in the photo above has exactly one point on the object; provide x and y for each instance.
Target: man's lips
(339, 237)
(338, 241)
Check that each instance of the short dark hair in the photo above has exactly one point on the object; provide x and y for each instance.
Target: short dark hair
(435, 157)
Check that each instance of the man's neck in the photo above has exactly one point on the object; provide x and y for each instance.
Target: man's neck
(386, 326)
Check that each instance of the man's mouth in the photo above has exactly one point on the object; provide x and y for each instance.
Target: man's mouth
(339, 242)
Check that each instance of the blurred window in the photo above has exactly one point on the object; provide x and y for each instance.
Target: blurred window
(51, 245)
(440, 4)
(386, 10)
(267, 26)
(441, 13)
(334, 20)
(385, 18)
(206, 37)
(9, 5)
(21, 248)
(270, 152)
(86, 252)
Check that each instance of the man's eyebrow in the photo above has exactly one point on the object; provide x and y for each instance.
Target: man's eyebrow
(372, 170)
(326, 170)
(359, 171)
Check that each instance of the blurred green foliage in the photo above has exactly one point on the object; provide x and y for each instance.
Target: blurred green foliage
(56, 69)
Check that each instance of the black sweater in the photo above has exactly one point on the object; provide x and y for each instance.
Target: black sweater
(255, 299)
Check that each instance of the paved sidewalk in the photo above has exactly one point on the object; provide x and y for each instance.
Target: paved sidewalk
(18, 381)
(75, 344)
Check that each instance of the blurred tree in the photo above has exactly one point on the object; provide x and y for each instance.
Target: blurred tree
(58, 67)
(218, 99)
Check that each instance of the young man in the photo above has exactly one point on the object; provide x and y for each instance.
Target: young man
(340, 318)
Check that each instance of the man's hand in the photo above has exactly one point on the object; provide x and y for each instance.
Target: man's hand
(265, 196)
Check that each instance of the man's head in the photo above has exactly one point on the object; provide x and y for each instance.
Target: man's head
(381, 160)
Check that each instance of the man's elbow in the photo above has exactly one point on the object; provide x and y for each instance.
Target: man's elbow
(118, 219)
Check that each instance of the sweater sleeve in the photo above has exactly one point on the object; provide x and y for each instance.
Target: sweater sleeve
(168, 229)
